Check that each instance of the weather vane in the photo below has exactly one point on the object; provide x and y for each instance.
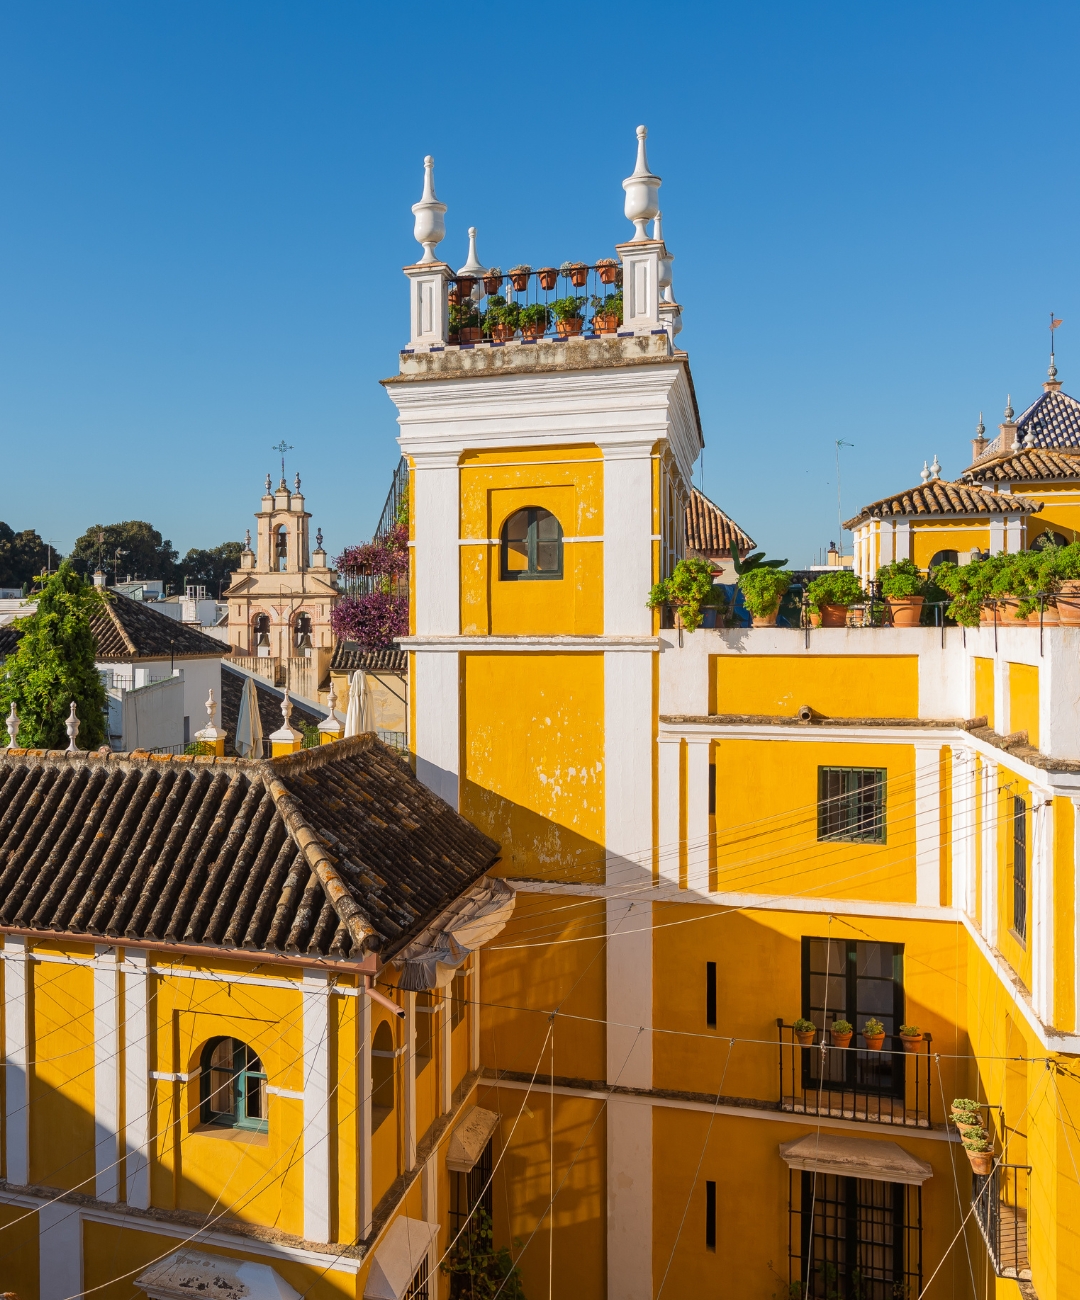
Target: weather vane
(1054, 323)
(281, 448)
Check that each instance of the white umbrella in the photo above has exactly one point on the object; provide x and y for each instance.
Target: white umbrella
(358, 717)
(249, 732)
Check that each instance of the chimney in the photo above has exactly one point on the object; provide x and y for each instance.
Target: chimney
(99, 578)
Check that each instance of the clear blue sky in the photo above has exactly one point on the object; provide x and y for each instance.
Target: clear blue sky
(206, 209)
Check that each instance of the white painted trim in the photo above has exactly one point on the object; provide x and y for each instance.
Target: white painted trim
(409, 1082)
(902, 539)
(963, 831)
(524, 644)
(437, 740)
(257, 981)
(627, 525)
(927, 824)
(698, 749)
(446, 1076)
(291, 1094)
(106, 1076)
(166, 1077)
(669, 801)
(60, 1251)
(629, 970)
(17, 981)
(496, 541)
(628, 775)
(436, 568)
(737, 1112)
(316, 1024)
(988, 796)
(474, 1011)
(137, 1025)
(629, 1199)
(1041, 872)
(364, 1204)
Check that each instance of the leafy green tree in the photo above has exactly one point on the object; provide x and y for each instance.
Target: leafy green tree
(54, 664)
(211, 568)
(142, 552)
(22, 556)
(477, 1270)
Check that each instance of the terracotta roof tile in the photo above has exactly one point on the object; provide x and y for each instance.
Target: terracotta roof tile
(1052, 419)
(333, 851)
(349, 656)
(1032, 465)
(712, 533)
(940, 497)
(130, 629)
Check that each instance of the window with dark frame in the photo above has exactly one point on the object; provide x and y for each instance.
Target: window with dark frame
(710, 994)
(531, 546)
(1019, 867)
(710, 1216)
(851, 804)
(232, 1086)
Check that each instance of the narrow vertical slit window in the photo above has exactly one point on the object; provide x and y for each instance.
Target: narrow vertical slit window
(712, 789)
(710, 994)
(710, 1216)
(1019, 867)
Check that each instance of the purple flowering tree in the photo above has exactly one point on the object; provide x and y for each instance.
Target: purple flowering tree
(379, 612)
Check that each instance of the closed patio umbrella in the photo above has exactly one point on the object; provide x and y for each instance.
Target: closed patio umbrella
(249, 732)
(358, 716)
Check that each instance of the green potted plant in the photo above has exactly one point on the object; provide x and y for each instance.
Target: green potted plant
(607, 312)
(534, 320)
(568, 315)
(519, 276)
(607, 269)
(1061, 574)
(840, 1032)
(804, 1030)
(873, 1033)
(1014, 585)
(465, 323)
(502, 318)
(958, 582)
(493, 279)
(904, 589)
(911, 1036)
(965, 1106)
(763, 589)
(832, 594)
(980, 1151)
(548, 277)
(688, 590)
(577, 271)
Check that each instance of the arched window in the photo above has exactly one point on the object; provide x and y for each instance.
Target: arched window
(382, 1074)
(1048, 539)
(302, 634)
(233, 1086)
(943, 557)
(260, 634)
(281, 548)
(532, 545)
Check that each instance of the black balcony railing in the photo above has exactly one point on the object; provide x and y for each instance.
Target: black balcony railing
(891, 1086)
(1000, 1199)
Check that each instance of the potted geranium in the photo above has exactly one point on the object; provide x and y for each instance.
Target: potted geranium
(763, 589)
(804, 1030)
(607, 313)
(688, 590)
(548, 277)
(904, 589)
(910, 1036)
(519, 276)
(873, 1033)
(533, 320)
(493, 279)
(831, 595)
(607, 269)
(840, 1032)
(568, 315)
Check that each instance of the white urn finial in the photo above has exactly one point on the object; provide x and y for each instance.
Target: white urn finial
(286, 710)
(1009, 407)
(331, 699)
(430, 224)
(72, 729)
(211, 708)
(473, 266)
(12, 725)
(935, 468)
(925, 475)
(642, 192)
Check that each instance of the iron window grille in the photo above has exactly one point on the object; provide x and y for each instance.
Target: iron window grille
(1019, 866)
(531, 546)
(853, 1238)
(468, 1191)
(233, 1086)
(418, 1287)
(855, 980)
(851, 804)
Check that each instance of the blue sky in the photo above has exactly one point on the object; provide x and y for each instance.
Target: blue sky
(206, 210)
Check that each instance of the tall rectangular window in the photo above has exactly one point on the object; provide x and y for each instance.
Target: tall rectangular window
(1019, 866)
(710, 1216)
(851, 804)
(710, 994)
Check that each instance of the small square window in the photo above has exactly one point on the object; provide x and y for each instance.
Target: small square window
(851, 804)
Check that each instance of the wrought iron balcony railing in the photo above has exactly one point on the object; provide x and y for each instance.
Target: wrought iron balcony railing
(1000, 1199)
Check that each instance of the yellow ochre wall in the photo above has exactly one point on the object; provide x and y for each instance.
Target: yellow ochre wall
(963, 537)
(1024, 700)
(835, 686)
(984, 689)
(766, 822)
(568, 481)
(533, 760)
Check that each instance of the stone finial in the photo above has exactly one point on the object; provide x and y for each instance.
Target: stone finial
(1029, 438)
(925, 475)
(12, 724)
(211, 708)
(247, 539)
(296, 483)
(72, 729)
(642, 192)
(318, 539)
(286, 711)
(1009, 412)
(473, 266)
(980, 428)
(331, 699)
(269, 489)
(430, 225)
(935, 468)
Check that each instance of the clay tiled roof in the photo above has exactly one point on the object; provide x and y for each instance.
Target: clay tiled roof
(269, 697)
(9, 639)
(712, 533)
(349, 656)
(1031, 465)
(938, 497)
(130, 629)
(1053, 420)
(330, 852)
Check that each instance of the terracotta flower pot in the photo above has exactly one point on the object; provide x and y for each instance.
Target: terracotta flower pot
(986, 615)
(874, 1042)
(905, 611)
(806, 1039)
(1008, 608)
(834, 616)
(958, 1115)
(607, 274)
(1051, 617)
(981, 1161)
(1068, 603)
(535, 331)
(520, 280)
(548, 277)
(471, 334)
(841, 1040)
(570, 327)
(453, 295)
(465, 285)
(766, 620)
(503, 333)
(965, 1129)
(579, 276)
(608, 324)
(815, 618)
(492, 283)
(911, 1042)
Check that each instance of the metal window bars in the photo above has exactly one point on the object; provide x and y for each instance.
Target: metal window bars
(890, 1086)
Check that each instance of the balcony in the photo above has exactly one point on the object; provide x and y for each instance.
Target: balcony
(891, 1086)
(1000, 1200)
